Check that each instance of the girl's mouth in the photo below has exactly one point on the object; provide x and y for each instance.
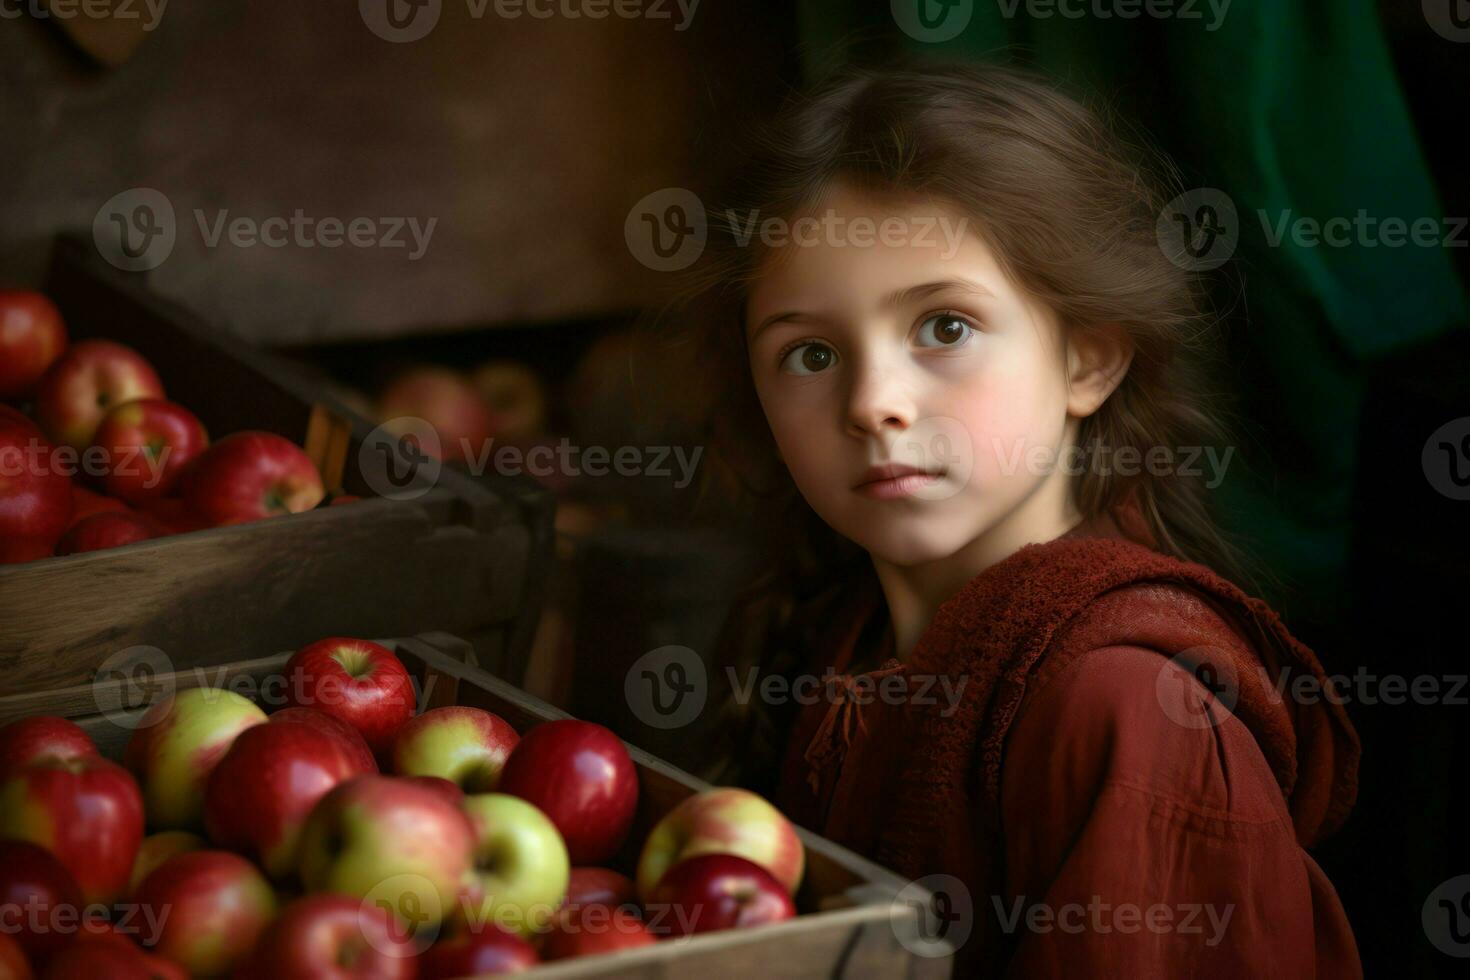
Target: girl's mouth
(901, 485)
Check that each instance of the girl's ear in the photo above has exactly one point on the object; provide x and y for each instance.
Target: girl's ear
(1097, 360)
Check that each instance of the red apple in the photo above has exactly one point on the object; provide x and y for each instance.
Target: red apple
(40, 903)
(85, 503)
(105, 530)
(358, 681)
(95, 957)
(251, 475)
(332, 937)
(35, 493)
(26, 740)
(13, 965)
(343, 498)
(487, 951)
(85, 384)
(450, 791)
(259, 795)
(579, 774)
(447, 401)
(583, 930)
(357, 749)
(723, 821)
(716, 891)
(206, 909)
(173, 516)
(464, 745)
(600, 886)
(158, 848)
(32, 337)
(86, 811)
(147, 443)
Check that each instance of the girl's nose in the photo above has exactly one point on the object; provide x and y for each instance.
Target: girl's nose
(879, 401)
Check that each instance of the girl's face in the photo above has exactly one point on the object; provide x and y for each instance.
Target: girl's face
(911, 347)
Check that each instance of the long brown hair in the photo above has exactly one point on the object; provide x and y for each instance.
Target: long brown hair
(1068, 206)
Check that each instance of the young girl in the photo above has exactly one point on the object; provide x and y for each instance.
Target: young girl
(942, 303)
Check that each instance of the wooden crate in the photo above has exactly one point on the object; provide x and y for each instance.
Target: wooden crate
(468, 555)
(848, 926)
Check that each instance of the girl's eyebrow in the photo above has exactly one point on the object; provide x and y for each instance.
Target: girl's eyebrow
(898, 297)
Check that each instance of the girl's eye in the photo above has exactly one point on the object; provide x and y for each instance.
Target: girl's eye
(946, 330)
(808, 358)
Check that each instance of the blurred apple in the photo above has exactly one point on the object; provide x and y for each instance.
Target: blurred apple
(448, 402)
(723, 821)
(247, 476)
(332, 937)
(147, 445)
(158, 848)
(107, 529)
(85, 383)
(209, 907)
(585, 930)
(489, 952)
(716, 891)
(26, 740)
(516, 398)
(32, 337)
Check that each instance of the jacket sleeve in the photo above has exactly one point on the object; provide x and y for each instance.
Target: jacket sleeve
(1146, 836)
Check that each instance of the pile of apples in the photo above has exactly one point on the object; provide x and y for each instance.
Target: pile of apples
(344, 835)
(104, 459)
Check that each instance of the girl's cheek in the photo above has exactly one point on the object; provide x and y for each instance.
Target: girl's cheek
(1006, 425)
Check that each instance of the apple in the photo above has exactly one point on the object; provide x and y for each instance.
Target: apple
(85, 383)
(332, 937)
(259, 795)
(208, 906)
(251, 475)
(716, 891)
(32, 337)
(86, 811)
(350, 739)
(580, 775)
(158, 848)
(85, 503)
(177, 744)
(173, 516)
(105, 530)
(358, 681)
(40, 903)
(600, 886)
(583, 930)
(464, 745)
(147, 444)
(389, 840)
(723, 821)
(521, 865)
(92, 957)
(29, 739)
(516, 398)
(450, 791)
(448, 402)
(13, 965)
(492, 950)
(35, 493)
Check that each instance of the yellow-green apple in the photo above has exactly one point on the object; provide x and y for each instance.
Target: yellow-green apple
(582, 930)
(206, 909)
(464, 745)
(723, 821)
(105, 530)
(86, 811)
(521, 865)
(262, 791)
(158, 848)
(251, 475)
(28, 739)
(716, 891)
(145, 445)
(40, 903)
(35, 492)
(177, 744)
(95, 956)
(447, 401)
(351, 740)
(516, 398)
(332, 937)
(490, 951)
(32, 337)
(579, 774)
(358, 681)
(600, 886)
(392, 841)
(85, 383)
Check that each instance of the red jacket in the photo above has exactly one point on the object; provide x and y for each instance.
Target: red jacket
(1091, 745)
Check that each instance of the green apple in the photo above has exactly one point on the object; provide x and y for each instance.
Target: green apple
(521, 865)
(175, 747)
